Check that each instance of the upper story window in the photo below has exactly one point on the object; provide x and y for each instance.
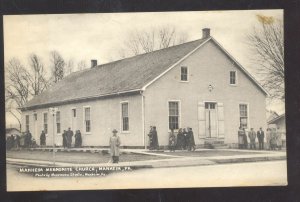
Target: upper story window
(27, 122)
(232, 78)
(184, 74)
(87, 119)
(125, 116)
(35, 116)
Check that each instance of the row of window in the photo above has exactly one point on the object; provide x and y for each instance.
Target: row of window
(174, 116)
(232, 76)
(87, 119)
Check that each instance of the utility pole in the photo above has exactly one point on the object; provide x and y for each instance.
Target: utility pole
(53, 112)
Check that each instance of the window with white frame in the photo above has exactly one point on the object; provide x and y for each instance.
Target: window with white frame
(35, 116)
(184, 74)
(27, 123)
(232, 78)
(58, 125)
(244, 115)
(87, 119)
(173, 115)
(125, 116)
(46, 123)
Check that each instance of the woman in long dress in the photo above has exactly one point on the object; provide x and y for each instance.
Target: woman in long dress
(78, 139)
(155, 138)
(241, 138)
(180, 140)
(172, 141)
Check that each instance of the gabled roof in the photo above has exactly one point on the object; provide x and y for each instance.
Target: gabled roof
(129, 75)
(276, 119)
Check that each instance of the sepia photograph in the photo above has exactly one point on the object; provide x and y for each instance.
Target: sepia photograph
(145, 100)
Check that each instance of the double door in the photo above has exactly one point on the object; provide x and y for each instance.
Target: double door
(211, 120)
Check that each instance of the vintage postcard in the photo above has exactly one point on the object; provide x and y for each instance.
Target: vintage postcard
(145, 100)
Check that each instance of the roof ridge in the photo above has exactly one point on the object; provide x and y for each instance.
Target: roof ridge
(101, 65)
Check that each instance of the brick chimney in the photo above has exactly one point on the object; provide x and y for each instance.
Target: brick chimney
(205, 33)
(93, 63)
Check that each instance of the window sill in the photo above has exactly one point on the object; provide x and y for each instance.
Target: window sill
(233, 85)
(87, 133)
(175, 131)
(183, 81)
(124, 132)
(213, 138)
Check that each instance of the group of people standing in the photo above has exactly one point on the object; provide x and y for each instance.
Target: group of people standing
(67, 138)
(13, 141)
(273, 139)
(17, 141)
(184, 140)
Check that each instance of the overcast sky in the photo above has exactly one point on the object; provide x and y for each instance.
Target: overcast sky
(99, 36)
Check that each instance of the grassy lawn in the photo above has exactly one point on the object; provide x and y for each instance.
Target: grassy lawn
(77, 157)
(207, 153)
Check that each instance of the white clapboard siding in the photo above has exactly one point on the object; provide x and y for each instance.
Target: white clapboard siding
(201, 120)
(221, 120)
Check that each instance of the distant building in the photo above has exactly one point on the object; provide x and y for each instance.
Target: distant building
(12, 131)
(271, 115)
(197, 84)
(278, 121)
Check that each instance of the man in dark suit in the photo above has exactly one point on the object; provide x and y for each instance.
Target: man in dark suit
(260, 137)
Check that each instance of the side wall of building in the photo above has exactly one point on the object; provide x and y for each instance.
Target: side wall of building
(105, 116)
(207, 66)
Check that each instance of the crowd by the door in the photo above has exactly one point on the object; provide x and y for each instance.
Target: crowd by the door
(183, 141)
(273, 139)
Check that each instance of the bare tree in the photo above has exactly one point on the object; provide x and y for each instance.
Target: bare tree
(81, 65)
(37, 77)
(17, 87)
(268, 44)
(69, 67)
(58, 66)
(22, 83)
(153, 39)
(166, 37)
